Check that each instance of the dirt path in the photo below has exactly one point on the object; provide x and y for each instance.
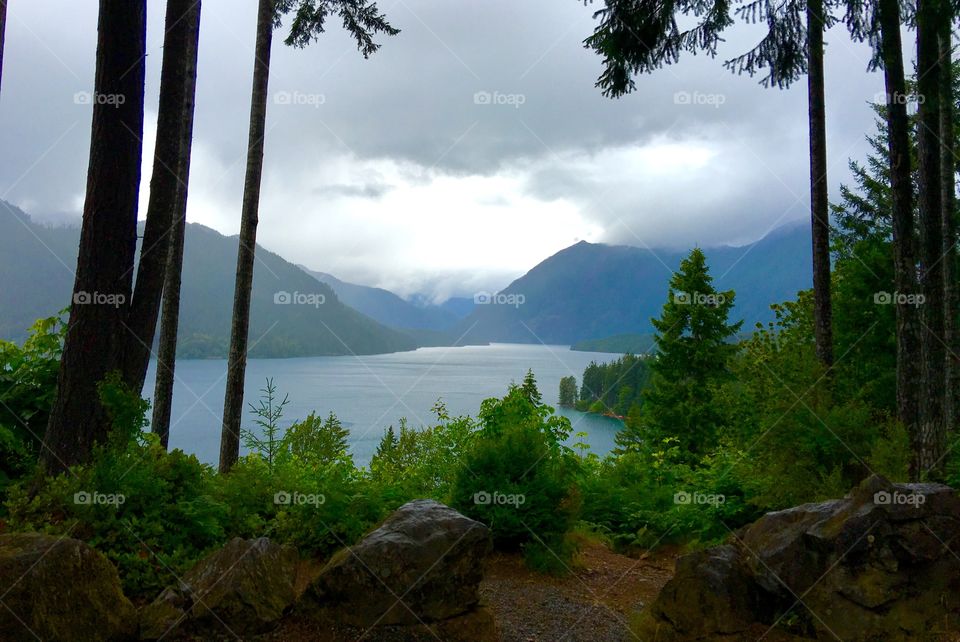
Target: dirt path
(593, 603)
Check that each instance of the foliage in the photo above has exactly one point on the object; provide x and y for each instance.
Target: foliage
(149, 511)
(517, 476)
(268, 442)
(317, 442)
(568, 391)
(421, 463)
(693, 351)
(28, 378)
(614, 387)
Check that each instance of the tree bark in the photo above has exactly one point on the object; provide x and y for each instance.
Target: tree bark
(932, 438)
(166, 184)
(237, 358)
(3, 30)
(108, 237)
(948, 166)
(819, 206)
(170, 313)
(898, 130)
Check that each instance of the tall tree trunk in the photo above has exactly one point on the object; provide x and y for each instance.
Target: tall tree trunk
(819, 207)
(166, 184)
(948, 166)
(932, 438)
(170, 313)
(905, 270)
(108, 237)
(3, 30)
(237, 359)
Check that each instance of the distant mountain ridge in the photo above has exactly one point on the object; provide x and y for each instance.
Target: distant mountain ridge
(593, 291)
(592, 294)
(388, 308)
(292, 314)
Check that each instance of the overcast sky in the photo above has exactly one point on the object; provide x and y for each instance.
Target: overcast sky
(392, 171)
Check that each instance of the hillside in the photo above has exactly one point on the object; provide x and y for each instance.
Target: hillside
(388, 308)
(37, 264)
(595, 291)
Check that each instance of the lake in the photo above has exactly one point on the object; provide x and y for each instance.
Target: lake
(369, 393)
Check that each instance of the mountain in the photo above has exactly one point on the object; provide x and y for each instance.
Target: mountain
(388, 308)
(595, 291)
(292, 314)
(459, 306)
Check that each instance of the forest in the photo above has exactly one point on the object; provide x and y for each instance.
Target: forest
(850, 395)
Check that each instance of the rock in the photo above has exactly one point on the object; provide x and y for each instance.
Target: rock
(245, 587)
(423, 564)
(877, 564)
(712, 593)
(57, 588)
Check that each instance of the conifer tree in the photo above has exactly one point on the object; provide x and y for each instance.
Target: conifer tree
(693, 348)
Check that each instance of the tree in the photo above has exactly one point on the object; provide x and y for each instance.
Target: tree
(931, 439)
(568, 391)
(880, 24)
(317, 441)
(3, 28)
(948, 169)
(693, 349)
(639, 36)
(170, 312)
(363, 20)
(168, 182)
(108, 237)
(791, 48)
(530, 390)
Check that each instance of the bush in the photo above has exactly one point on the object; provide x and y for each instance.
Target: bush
(149, 511)
(518, 477)
(421, 463)
(28, 383)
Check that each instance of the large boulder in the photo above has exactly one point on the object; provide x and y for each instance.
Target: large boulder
(879, 564)
(423, 564)
(57, 588)
(243, 588)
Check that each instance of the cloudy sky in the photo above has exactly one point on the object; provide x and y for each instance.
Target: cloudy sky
(471, 147)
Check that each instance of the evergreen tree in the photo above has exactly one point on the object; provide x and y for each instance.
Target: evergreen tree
(693, 349)
(568, 391)
(108, 239)
(530, 390)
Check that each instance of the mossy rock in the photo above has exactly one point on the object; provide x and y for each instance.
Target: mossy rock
(57, 588)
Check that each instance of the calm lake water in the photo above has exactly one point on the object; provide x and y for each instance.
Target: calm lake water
(370, 393)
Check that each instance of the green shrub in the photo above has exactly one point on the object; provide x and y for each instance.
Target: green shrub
(517, 476)
(421, 463)
(28, 383)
